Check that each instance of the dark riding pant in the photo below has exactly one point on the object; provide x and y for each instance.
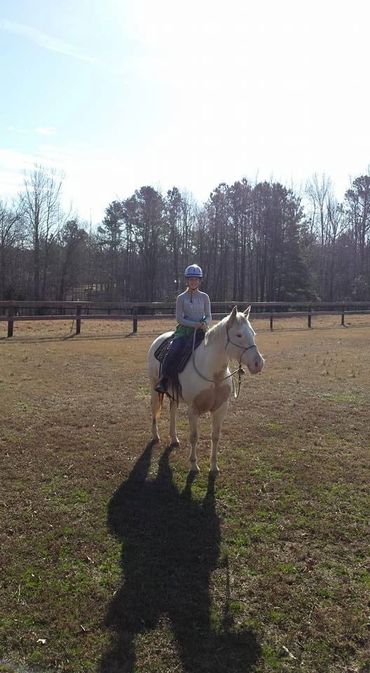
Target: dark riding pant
(172, 356)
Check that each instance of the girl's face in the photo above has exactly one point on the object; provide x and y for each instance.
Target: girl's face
(193, 283)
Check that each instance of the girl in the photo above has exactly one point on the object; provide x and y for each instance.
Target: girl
(193, 311)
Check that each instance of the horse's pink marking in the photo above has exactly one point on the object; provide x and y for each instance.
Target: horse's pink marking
(210, 399)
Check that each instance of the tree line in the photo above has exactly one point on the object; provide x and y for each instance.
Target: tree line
(255, 242)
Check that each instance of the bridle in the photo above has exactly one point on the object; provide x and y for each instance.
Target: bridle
(240, 371)
(244, 348)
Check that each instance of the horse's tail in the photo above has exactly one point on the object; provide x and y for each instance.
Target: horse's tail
(156, 405)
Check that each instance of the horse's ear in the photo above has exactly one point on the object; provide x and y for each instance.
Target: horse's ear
(232, 316)
(247, 312)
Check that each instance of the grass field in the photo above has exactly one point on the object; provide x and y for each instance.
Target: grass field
(115, 562)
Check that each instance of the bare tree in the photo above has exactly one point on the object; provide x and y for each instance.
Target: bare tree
(319, 192)
(40, 204)
(180, 214)
(324, 225)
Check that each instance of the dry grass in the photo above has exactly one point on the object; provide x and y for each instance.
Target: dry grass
(267, 570)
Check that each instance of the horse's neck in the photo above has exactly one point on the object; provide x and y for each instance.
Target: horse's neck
(215, 352)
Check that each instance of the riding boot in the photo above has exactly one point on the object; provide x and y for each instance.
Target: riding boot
(161, 386)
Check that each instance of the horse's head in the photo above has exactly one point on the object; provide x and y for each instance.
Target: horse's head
(240, 340)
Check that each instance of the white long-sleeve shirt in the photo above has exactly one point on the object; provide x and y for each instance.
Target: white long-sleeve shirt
(192, 307)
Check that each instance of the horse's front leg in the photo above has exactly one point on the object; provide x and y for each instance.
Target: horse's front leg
(193, 422)
(173, 432)
(217, 420)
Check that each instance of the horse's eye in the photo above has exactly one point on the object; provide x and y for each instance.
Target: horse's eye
(239, 335)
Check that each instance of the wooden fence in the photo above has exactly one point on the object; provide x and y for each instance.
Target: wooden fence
(78, 311)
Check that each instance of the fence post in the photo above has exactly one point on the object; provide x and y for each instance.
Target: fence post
(309, 315)
(134, 320)
(78, 319)
(342, 323)
(10, 321)
(271, 322)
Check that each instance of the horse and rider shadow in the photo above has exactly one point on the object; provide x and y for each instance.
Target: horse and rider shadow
(170, 546)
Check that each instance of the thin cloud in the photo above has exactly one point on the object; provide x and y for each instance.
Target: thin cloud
(46, 41)
(11, 183)
(17, 161)
(40, 130)
(45, 131)
(16, 129)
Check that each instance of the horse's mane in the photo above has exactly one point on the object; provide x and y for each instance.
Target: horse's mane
(214, 332)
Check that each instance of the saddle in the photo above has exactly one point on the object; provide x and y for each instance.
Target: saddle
(162, 349)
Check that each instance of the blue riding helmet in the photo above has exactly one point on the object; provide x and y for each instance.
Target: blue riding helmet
(193, 271)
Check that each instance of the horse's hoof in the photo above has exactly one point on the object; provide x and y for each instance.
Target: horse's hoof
(175, 442)
(214, 472)
(156, 439)
(194, 469)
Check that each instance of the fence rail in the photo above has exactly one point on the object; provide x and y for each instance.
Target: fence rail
(13, 311)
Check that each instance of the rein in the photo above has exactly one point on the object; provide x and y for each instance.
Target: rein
(240, 371)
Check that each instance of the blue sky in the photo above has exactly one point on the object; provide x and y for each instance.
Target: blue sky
(120, 94)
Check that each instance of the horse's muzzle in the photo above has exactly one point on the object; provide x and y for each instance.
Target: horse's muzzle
(257, 364)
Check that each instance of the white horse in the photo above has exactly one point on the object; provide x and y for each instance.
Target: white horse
(206, 382)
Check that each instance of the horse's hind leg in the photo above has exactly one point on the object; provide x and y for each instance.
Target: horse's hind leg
(173, 432)
(193, 422)
(217, 419)
(156, 404)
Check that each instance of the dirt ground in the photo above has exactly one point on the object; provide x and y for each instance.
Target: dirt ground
(284, 578)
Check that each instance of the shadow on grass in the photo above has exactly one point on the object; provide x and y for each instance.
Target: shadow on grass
(170, 547)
